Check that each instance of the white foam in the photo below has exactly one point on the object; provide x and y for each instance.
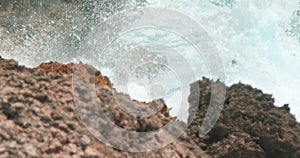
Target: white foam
(253, 34)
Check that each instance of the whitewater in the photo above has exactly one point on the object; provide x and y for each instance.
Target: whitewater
(258, 42)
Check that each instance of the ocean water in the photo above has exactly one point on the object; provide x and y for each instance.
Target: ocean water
(258, 43)
(260, 36)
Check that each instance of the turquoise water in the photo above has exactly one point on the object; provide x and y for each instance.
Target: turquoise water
(262, 36)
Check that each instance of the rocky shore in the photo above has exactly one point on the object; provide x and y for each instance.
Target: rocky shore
(38, 118)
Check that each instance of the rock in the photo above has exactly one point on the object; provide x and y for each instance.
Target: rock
(86, 70)
(54, 147)
(72, 148)
(18, 106)
(41, 97)
(42, 120)
(46, 118)
(62, 126)
(30, 150)
(9, 111)
(90, 152)
(85, 140)
(57, 116)
(71, 125)
(2, 149)
(249, 122)
(5, 154)
(4, 135)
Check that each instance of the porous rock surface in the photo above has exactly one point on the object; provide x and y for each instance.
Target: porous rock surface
(38, 118)
(249, 125)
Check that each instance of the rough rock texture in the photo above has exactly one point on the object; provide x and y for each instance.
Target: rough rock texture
(38, 118)
(249, 126)
(61, 69)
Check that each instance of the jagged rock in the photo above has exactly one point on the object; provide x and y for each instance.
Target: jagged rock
(249, 126)
(39, 118)
(42, 113)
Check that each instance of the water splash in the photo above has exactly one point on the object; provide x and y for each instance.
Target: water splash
(259, 40)
(52, 30)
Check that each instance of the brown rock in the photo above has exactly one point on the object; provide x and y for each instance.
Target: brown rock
(85, 140)
(90, 152)
(58, 68)
(39, 119)
(30, 150)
